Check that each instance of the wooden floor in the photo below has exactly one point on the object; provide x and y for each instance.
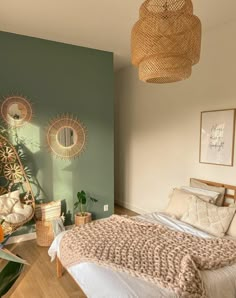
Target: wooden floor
(39, 279)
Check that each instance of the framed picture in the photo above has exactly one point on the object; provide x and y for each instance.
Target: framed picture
(217, 137)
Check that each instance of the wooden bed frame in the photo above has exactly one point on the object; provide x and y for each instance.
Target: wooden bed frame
(229, 189)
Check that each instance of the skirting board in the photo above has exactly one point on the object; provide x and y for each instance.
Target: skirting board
(21, 238)
(27, 237)
(131, 207)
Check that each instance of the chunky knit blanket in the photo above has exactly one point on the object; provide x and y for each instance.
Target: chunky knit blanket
(152, 252)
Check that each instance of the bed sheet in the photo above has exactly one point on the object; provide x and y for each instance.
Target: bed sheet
(99, 282)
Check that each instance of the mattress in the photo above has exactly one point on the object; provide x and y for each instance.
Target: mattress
(99, 282)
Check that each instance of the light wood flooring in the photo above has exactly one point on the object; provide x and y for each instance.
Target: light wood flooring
(39, 279)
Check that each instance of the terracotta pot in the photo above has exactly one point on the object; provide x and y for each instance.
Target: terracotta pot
(81, 220)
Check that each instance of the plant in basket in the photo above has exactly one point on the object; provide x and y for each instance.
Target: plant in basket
(83, 216)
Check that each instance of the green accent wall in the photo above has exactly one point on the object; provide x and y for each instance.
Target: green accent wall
(60, 78)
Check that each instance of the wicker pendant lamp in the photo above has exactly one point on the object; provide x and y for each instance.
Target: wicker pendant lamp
(166, 41)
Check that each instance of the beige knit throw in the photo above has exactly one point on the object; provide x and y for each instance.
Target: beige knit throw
(152, 252)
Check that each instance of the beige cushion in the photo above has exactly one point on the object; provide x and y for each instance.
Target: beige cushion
(14, 194)
(178, 203)
(232, 228)
(25, 210)
(10, 201)
(15, 218)
(208, 217)
(6, 204)
(221, 190)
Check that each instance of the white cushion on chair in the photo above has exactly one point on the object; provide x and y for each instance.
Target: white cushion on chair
(15, 218)
(7, 204)
(25, 210)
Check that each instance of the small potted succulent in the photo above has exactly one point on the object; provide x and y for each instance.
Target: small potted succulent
(82, 216)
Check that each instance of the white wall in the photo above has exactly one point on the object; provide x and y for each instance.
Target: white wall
(158, 126)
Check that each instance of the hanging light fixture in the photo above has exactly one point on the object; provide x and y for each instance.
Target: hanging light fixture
(166, 41)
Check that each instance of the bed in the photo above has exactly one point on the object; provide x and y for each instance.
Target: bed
(98, 281)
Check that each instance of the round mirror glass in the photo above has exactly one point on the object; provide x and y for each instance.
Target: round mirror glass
(17, 111)
(66, 137)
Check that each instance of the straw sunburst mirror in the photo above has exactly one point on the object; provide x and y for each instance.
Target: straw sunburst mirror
(16, 110)
(66, 137)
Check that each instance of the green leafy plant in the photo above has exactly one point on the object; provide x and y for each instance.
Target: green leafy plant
(81, 203)
(9, 275)
(14, 267)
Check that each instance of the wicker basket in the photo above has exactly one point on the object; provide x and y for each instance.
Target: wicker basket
(81, 220)
(44, 233)
(48, 211)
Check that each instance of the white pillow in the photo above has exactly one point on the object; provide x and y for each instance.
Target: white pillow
(221, 190)
(15, 218)
(14, 194)
(178, 203)
(25, 210)
(6, 204)
(199, 191)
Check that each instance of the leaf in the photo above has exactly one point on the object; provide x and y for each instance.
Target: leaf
(7, 255)
(76, 205)
(93, 200)
(9, 275)
(83, 200)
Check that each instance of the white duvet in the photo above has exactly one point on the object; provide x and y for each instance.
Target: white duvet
(99, 282)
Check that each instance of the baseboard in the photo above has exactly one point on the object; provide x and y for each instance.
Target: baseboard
(29, 236)
(131, 207)
(21, 238)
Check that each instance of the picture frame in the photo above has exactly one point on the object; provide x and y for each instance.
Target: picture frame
(217, 132)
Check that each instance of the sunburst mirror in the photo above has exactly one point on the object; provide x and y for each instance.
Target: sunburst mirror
(16, 111)
(66, 137)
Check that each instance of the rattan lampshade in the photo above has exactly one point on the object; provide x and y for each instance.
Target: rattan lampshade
(166, 41)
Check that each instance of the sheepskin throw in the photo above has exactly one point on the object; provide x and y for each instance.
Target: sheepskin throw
(152, 252)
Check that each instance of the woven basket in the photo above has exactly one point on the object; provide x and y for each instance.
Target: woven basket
(44, 233)
(81, 220)
(48, 211)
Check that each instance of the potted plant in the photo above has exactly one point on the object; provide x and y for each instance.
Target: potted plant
(83, 217)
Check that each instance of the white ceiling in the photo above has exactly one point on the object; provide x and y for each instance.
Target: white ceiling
(104, 24)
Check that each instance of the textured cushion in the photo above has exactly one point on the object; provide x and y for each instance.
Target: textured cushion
(25, 210)
(13, 194)
(221, 190)
(205, 195)
(14, 218)
(10, 201)
(232, 228)
(178, 203)
(6, 204)
(16, 195)
(208, 217)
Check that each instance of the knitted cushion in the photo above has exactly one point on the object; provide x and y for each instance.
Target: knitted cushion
(208, 217)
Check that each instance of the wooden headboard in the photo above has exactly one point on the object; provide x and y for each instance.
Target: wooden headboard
(230, 190)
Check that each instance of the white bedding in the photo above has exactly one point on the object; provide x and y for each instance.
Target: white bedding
(99, 282)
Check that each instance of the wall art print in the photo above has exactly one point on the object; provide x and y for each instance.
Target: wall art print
(217, 137)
